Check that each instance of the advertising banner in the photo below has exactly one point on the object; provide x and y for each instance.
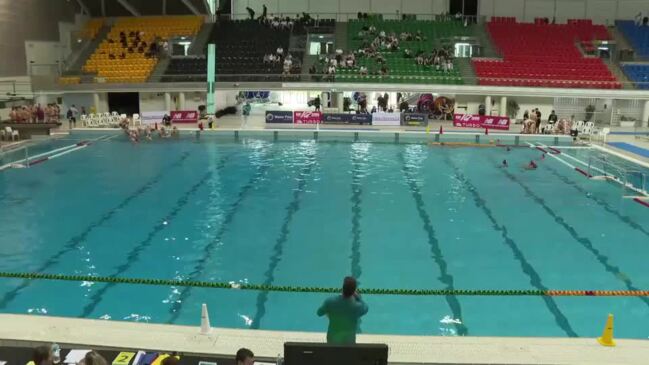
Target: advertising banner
(279, 116)
(480, 121)
(152, 117)
(307, 117)
(345, 118)
(387, 119)
(184, 116)
(414, 119)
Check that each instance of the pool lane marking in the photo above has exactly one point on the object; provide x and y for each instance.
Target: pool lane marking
(356, 200)
(134, 254)
(535, 279)
(600, 202)
(584, 241)
(74, 242)
(208, 250)
(278, 249)
(435, 248)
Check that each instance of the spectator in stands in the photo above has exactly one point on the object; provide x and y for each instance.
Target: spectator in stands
(40, 114)
(344, 312)
(42, 355)
(264, 12)
(363, 70)
(245, 357)
(287, 65)
(280, 51)
(251, 13)
(93, 358)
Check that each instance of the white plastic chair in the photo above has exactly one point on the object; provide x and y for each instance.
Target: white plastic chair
(11, 133)
(84, 120)
(136, 119)
(113, 114)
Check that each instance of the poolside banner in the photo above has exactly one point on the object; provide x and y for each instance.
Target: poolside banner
(346, 118)
(307, 117)
(480, 121)
(386, 119)
(414, 119)
(279, 116)
(152, 117)
(184, 116)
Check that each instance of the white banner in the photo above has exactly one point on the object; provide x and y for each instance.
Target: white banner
(152, 117)
(393, 119)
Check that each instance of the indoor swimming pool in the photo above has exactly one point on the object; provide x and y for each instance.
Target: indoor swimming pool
(307, 212)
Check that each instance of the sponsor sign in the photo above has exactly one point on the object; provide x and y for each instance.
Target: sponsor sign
(343, 118)
(184, 116)
(386, 119)
(414, 119)
(480, 121)
(307, 117)
(279, 116)
(152, 117)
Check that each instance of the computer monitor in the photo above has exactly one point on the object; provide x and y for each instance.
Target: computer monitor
(300, 353)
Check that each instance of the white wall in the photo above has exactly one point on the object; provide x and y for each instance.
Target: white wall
(41, 57)
(342, 9)
(600, 11)
(152, 102)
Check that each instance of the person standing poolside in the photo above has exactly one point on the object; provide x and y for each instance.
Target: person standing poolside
(344, 312)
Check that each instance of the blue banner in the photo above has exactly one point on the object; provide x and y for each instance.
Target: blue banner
(345, 118)
(279, 116)
(414, 119)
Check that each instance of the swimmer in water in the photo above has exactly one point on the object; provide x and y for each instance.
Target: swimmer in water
(543, 156)
(532, 165)
(504, 164)
(175, 132)
(508, 149)
(148, 134)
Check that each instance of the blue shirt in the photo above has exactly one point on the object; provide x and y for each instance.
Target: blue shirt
(344, 316)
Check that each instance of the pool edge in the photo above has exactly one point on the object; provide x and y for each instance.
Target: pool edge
(32, 330)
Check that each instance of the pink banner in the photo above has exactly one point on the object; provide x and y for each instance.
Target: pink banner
(184, 116)
(307, 117)
(480, 121)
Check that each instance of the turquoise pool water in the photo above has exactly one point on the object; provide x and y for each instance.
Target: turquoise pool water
(308, 213)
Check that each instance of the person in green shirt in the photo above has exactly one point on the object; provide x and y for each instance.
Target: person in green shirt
(344, 312)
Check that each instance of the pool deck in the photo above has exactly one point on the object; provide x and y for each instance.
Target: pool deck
(29, 329)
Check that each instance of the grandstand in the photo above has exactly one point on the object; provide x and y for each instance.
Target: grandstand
(542, 54)
(402, 69)
(124, 56)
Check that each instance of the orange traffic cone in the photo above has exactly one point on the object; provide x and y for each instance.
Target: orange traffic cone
(607, 335)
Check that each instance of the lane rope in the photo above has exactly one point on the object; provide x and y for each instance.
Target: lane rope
(303, 289)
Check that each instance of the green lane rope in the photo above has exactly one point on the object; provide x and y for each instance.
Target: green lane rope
(302, 289)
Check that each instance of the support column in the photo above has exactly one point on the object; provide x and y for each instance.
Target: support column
(95, 102)
(340, 100)
(503, 106)
(645, 114)
(487, 104)
(181, 101)
(167, 102)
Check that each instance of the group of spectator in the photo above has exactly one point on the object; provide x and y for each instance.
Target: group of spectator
(279, 58)
(49, 355)
(134, 42)
(280, 22)
(441, 59)
(35, 113)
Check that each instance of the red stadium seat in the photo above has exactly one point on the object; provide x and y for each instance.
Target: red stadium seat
(545, 55)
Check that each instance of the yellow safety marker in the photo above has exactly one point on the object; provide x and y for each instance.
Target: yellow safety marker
(607, 335)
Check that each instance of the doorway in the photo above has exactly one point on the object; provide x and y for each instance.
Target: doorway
(124, 103)
(465, 7)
